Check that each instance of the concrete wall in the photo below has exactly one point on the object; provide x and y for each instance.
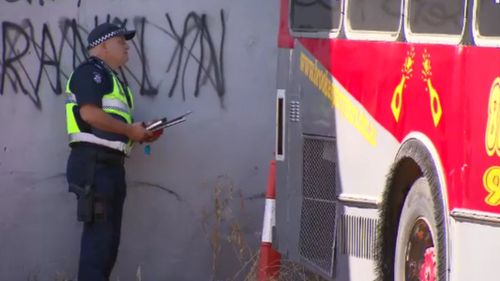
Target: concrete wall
(195, 203)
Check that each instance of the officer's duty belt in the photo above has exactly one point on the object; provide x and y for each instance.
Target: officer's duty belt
(104, 155)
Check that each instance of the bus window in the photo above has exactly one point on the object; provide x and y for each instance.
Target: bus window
(436, 16)
(315, 15)
(488, 17)
(377, 15)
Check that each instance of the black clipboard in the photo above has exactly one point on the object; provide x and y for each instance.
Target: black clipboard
(164, 122)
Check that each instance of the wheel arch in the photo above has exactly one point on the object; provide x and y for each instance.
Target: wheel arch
(417, 157)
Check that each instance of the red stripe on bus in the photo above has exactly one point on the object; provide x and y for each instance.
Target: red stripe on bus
(285, 39)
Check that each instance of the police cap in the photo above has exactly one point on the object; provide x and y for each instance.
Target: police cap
(107, 31)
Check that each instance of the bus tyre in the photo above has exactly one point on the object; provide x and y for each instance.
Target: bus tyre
(420, 230)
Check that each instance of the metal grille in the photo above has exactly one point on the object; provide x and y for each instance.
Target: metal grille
(357, 236)
(317, 222)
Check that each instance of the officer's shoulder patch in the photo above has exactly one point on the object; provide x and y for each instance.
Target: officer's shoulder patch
(97, 77)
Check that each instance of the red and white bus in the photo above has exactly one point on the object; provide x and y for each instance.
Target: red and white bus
(388, 138)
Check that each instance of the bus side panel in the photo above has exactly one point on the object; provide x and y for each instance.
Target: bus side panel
(288, 195)
(319, 166)
(307, 178)
(287, 227)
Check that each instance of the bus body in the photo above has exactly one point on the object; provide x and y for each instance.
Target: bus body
(388, 138)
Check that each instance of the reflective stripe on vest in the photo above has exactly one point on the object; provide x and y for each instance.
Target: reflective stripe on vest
(87, 137)
(112, 103)
(71, 98)
(117, 107)
(116, 101)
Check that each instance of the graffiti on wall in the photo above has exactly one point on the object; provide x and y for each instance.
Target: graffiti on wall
(57, 52)
(40, 2)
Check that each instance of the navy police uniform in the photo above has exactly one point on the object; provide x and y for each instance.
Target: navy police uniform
(95, 170)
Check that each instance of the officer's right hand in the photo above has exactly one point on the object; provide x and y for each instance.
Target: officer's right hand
(138, 133)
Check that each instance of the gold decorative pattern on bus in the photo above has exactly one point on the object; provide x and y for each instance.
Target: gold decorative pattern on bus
(353, 113)
(492, 138)
(435, 102)
(406, 74)
(491, 178)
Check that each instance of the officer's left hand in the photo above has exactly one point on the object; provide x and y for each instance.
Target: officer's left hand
(154, 136)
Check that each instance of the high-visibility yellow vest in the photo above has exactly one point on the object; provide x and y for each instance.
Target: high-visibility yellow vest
(112, 103)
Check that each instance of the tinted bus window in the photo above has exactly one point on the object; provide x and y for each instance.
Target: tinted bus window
(488, 17)
(382, 15)
(436, 16)
(315, 15)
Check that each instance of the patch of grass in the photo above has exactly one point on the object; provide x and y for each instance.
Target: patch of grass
(289, 271)
(222, 228)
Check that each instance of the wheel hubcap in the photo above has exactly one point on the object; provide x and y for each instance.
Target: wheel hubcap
(420, 259)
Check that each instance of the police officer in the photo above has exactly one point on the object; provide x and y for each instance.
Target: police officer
(101, 132)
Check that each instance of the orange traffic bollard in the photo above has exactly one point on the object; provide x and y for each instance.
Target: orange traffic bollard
(269, 259)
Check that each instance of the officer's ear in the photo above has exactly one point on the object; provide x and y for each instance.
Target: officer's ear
(95, 51)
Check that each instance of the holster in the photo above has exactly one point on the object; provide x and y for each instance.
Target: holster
(90, 203)
(84, 190)
(86, 198)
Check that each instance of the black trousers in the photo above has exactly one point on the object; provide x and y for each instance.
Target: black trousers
(101, 237)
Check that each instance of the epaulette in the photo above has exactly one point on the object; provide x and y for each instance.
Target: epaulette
(91, 62)
(97, 64)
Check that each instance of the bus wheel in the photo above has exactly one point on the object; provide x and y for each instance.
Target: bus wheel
(417, 241)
